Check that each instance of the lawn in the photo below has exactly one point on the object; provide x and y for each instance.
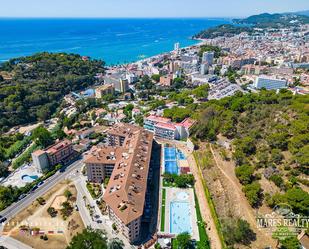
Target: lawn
(163, 209)
(25, 156)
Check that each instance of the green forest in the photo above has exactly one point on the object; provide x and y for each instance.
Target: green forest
(37, 83)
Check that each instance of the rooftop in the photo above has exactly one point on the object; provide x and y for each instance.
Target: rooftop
(58, 146)
(125, 193)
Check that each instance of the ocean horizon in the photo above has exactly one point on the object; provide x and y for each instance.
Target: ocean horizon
(114, 40)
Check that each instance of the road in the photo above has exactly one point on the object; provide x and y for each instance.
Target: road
(106, 225)
(11, 243)
(16, 207)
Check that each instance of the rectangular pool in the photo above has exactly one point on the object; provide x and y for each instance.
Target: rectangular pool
(180, 217)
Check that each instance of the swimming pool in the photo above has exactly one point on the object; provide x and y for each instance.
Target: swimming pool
(180, 217)
(28, 179)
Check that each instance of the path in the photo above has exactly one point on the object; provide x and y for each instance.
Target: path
(227, 169)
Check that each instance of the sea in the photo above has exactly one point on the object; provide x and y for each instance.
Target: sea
(115, 41)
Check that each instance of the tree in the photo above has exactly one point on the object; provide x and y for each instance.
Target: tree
(66, 209)
(290, 243)
(139, 119)
(67, 193)
(277, 179)
(182, 181)
(244, 173)
(156, 77)
(90, 239)
(184, 241)
(178, 83)
(43, 113)
(128, 110)
(252, 192)
(42, 136)
(302, 158)
(276, 156)
(116, 244)
(278, 140)
(52, 211)
(157, 246)
(3, 169)
(41, 201)
(237, 231)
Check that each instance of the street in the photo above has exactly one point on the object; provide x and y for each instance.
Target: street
(16, 207)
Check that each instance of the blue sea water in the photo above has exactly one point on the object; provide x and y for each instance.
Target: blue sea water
(113, 40)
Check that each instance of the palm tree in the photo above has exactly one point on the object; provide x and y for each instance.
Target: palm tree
(116, 244)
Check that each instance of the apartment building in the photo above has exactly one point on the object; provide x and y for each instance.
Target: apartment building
(269, 83)
(60, 152)
(104, 90)
(126, 162)
(165, 128)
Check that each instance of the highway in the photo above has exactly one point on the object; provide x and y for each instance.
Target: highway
(16, 207)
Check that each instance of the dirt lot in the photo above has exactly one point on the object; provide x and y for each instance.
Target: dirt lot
(36, 216)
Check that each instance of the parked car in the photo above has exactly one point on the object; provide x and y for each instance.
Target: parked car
(40, 183)
(22, 196)
(2, 219)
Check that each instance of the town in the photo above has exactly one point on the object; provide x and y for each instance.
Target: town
(118, 156)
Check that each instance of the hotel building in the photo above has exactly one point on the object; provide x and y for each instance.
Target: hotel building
(126, 162)
(165, 128)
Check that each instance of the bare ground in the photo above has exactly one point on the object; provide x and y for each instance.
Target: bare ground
(37, 216)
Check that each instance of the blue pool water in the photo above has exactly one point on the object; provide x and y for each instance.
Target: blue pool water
(180, 218)
(27, 178)
(171, 167)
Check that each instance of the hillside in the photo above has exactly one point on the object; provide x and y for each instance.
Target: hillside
(268, 159)
(226, 30)
(38, 82)
(267, 20)
(269, 134)
(264, 20)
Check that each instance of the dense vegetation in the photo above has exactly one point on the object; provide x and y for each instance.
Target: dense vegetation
(267, 20)
(209, 48)
(227, 30)
(237, 231)
(264, 20)
(38, 82)
(269, 133)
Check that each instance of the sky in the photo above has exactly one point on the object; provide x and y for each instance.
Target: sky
(147, 8)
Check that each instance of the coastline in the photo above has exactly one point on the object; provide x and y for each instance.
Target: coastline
(116, 41)
(199, 41)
